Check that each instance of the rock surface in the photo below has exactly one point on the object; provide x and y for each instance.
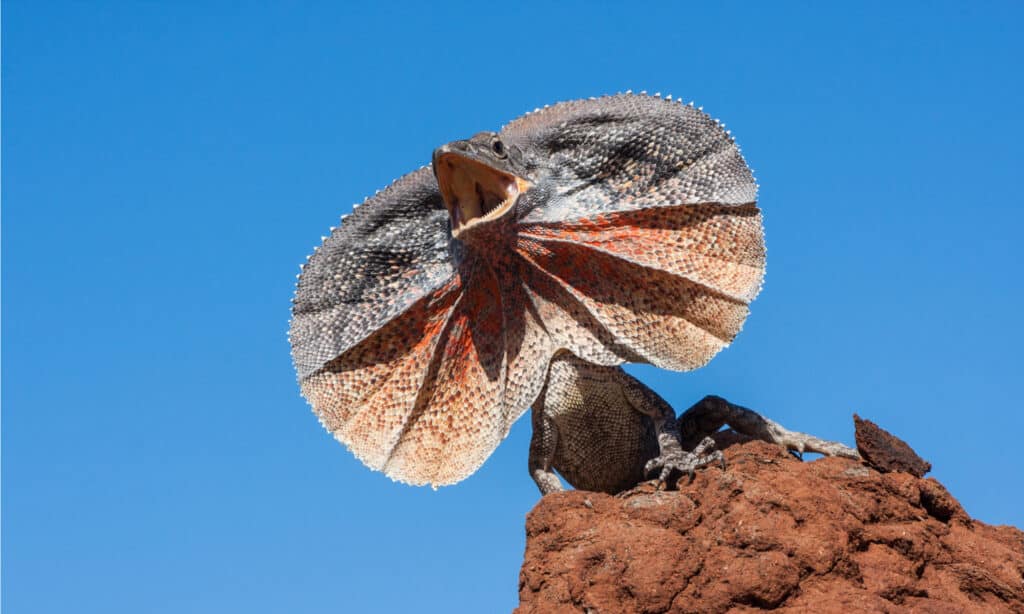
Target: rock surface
(886, 452)
(770, 532)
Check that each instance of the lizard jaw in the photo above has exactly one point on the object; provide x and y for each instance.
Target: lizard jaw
(475, 193)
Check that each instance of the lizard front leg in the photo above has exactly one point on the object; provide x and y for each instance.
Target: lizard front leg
(543, 445)
(712, 412)
(672, 456)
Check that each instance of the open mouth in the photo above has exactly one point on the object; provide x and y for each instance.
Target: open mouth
(474, 193)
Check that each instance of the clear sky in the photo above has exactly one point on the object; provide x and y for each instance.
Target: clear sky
(167, 166)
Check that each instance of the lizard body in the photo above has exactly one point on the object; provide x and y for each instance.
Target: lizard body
(618, 229)
(604, 430)
(596, 425)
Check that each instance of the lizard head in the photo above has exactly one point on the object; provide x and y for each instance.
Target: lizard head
(480, 180)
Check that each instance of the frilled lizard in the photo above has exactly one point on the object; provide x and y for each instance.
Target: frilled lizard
(520, 269)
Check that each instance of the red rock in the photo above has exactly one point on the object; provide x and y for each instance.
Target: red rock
(770, 532)
(885, 451)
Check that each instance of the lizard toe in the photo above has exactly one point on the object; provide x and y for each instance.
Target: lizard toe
(670, 466)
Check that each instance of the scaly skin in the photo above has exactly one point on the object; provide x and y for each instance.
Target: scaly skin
(424, 325)
(603, 430)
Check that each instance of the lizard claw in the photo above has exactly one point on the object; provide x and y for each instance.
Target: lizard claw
(684, 462)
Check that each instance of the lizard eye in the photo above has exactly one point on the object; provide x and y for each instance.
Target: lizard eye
(498, 148)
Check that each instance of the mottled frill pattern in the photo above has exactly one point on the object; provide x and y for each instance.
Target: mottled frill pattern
(640, 241)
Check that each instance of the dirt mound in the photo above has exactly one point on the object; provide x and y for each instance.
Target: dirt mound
(770, 532)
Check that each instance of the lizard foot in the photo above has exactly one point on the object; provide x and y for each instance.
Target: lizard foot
(798, 443)
(668, 463)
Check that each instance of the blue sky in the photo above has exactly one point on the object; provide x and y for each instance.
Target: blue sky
(167, 166)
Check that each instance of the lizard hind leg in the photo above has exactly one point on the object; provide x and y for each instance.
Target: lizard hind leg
(674, 458)
(712, 412)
